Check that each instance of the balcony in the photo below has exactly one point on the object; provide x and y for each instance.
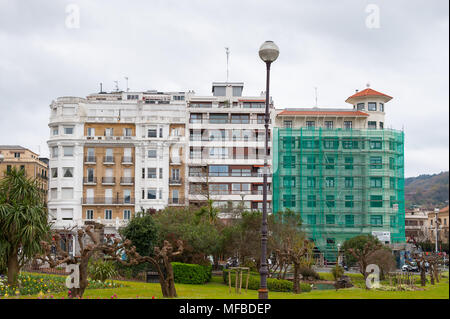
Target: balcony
(229, 174)
(108, 160)
(127, 160)
(126, 180)
(90, 180)
(175, 181)
(108, 180)
(90, 159)
(176, 201)
(106, 201)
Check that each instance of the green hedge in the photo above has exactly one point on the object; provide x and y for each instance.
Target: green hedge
(273, 284)
(191, 273)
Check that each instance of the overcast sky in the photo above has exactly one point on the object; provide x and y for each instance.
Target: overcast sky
(336, 46)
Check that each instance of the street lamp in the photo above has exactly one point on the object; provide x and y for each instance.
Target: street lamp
(268, 52)
(436, 225)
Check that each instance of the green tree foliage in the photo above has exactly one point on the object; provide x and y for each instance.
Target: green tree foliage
(337, 272)
(23, 221)
(359, 249)
(143, 233)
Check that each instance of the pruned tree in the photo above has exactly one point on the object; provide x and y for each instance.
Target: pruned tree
(113, 250)
(296, 250)
(361, 248)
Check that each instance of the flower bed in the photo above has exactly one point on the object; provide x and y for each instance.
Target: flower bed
(30, 284)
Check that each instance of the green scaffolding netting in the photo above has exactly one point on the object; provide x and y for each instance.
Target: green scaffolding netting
(343, 183)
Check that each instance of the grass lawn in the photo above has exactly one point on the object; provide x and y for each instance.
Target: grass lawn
(217, 290)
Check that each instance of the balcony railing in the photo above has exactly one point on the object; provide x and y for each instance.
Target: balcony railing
(127, 180)
(175, 181)
(127, 160)
(108, 180)
(228, 121)
(106, 201)
(90, 180)
(108, 160)
(176, 201)
(228, 174)
(90, 159)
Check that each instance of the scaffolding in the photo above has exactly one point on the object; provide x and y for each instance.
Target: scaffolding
(342, 182)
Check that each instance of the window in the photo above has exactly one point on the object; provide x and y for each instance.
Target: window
(329, 125)
(348, 162)
(349, 144)
(160, 132)
(151, 133)
(372, 106)
(348, 201)
(218, 189)
(90, 131)
(376, 162)
(381, 125)
(54, 172)
(289, 181)
(90, 175)
(108, 213)
(288, 161)
(89, 214)
(310, 124)
(175, 174)
(376, 182)
(376, 201)
(287, 124)
(127, 131)
(143, 172)
(360, 106)
(330, 201)
(152, 153)
(311, 162)
(178, 98)
(375, 144)
(329, 182)
(218, 170)
(127, 214)
(348, 125)
(288, 142)
(311, 201)
(55, 131)
(309, 143)
(67, 213)
(54, 193)
(151, 172)
(240, 118)
(392, 182)
(160, 172)
(330, 219)
(132, 96)
(372, 124)
(67, 193)
(68, 151)
(391, 163)
(348, 182)
(311, 219)
(330, 162)
(55, 151)
(376, 220)
(126, 196)
(289, 201)
(311, 182)
(393, 221)
(68, 130)
(151, 193)
(349, 220)
(109, 132)
(392, 201)
(67, 171)
(331, 143)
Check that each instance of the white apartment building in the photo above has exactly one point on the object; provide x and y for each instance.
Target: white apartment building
(112, 154)
(226, 147)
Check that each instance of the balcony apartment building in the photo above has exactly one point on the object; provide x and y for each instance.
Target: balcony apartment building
(226, 137)
(22, 158)
(416, 225)
(114, 154)
(342, 170)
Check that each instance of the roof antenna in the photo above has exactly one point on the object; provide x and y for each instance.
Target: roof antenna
(126, 78)
(368, 85)
(227, 51)
(101, 90)
(315, 89)
(117, 85)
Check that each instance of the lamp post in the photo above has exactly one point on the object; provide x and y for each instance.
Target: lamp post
(436, 225)
(268, 52)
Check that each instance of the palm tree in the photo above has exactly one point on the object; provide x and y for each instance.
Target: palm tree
(23, 221)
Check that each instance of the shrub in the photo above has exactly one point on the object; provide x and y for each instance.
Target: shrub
(273, 284)
(191, 273)
(101, 270)
(307, 272)
(337, 272)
